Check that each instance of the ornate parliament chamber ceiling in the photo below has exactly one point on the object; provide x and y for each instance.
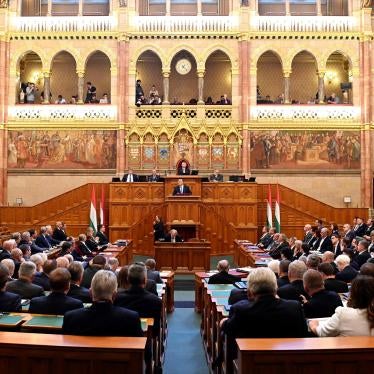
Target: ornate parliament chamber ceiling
(281, 90)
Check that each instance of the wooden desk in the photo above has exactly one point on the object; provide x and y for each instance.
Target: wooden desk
(168, 277)
(182, 257)
(122, 253)
(192, 181)
(49, 353)
(325, 355)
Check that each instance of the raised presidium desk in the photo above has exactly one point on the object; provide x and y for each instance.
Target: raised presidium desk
(60, 354)
(248, 254)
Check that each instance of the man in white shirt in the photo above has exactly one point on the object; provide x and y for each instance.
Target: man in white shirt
(130, 177)
(181, 189)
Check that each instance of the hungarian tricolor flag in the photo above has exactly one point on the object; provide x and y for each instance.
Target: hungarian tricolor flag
(93, 217)
(277, 212)
(269, 215)
(102, 206)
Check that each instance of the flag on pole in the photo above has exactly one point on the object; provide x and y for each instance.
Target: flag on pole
(93, 217)
(277, 212)
(102, 206)
(269, 215)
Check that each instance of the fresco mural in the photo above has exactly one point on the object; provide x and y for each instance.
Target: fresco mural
(316, 150)
(59, 149)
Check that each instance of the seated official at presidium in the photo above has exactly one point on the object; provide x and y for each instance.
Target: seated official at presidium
(181, 189)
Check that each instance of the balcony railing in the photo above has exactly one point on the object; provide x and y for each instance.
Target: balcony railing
(186, 24)
(303, 23)
(87, 112)
(305, 112)
(63, 24)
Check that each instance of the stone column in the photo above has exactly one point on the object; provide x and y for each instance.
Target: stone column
(286, 75)
(200, 83)
(49, 8)
(166, 76)
(244, 79)
(80, 8)
(287, 6)
(80, 86)
(47, 86)
(318, 8)
(168, 6)
(321, 87)
(199, 8)
(113, 85)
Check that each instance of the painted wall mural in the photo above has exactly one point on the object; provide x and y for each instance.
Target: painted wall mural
(59, 149)
(306, 150)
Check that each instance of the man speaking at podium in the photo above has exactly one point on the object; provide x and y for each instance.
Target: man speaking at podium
(181, 189)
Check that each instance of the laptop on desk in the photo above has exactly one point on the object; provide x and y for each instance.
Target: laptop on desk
(116, 179)
(194, 172)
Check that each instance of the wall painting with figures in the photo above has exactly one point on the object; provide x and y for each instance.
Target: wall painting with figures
(60, 149)
(305, 150)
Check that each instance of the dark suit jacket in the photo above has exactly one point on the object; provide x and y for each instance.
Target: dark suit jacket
(361, 230)
(256, 319)
(52, 241)
(159, 232)
(135, 178)
(216, 178)
(186, 190)
(103, 240)
(347, 274)
(307, 237)
(42, 242)
(153, 178)
(292, 291)
(102, 319)
(150, 286)
(178, 239)
(360, 259)
(236, 295)
(4, 254)
(350, 235)
(9, 302)
(265, 240)
(322, 304)
(59, 235)
(24, 289)
(326, 245)
(88, 274)
(223, 278)
(92, 244)
(79, 293)
(275, 252)
(54, 303)
(337, 250)
(83, 250)
(154, 275)
(146, 304)
(335, 285)
(281, 281)
(187, 171)
(41, 279)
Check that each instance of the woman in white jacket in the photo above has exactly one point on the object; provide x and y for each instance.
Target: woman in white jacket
(357, 319)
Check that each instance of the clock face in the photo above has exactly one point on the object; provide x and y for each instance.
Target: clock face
(183, 66)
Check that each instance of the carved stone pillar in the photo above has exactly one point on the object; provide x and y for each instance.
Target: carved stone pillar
(168, 6)
(49, 8)
(200, 82)
(80, 8)
(318, 8)
(47, 86)
(321, 87)
(80, 86)
(286, 75)
(287, 6)
(199, 8)
(166, 76)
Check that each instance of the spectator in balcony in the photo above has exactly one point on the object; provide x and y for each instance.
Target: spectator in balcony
(94, 99)
(209, 101)
(91, 90)
(279, 99)
(153, 92)
(193, 101)
(74, 99)
(154, 100)
(42, 97)
(22, 93)
(141, 101)
(333, 99)
(30, 93)
(104, 99)
(60, 100)
(224, 100)
(138, 91)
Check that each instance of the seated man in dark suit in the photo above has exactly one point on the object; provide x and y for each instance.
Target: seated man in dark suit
(52, 242)
(329, 257)
(154, 177)
(5, 251)
(138, 299)
(223, 276)
(237, 295)
(322, 303)
(295, 288)
(81, 251)
(181, 189)
(23, 285)
(96, 264)
(103, 239)
(328, 276)
(346, 272)
(283, 273)
(103, 318)
(325, 244)
(280, 245)
(76, 291)
(216, 176)
(59, 233)
(41, 240)
(224, 100)
(152, 273)
(9, 302)
(173, 237)
(56, 302)
(183, 169)
(42, 279)
(130, 177)
(256, 319)
(362, 254)
(27, 239)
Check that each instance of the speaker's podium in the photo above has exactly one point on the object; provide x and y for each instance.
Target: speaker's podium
(183, 211)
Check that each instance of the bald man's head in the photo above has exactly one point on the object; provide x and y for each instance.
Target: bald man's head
(223, 265)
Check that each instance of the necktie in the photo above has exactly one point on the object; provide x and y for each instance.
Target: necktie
(181, 189)
(130, 178)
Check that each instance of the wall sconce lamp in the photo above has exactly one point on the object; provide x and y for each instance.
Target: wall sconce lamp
(347, 200)
(19, 201)
(330, 76)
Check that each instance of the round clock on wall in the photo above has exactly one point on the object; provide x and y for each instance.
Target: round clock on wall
(183, 66)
